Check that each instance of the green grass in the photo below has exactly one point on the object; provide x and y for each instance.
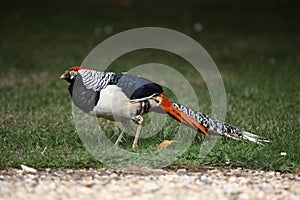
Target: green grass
(256, 51)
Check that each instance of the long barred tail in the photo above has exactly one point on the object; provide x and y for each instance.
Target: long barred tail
(204, 124)
(176, 113)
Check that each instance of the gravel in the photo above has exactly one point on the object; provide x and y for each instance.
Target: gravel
(145, 183)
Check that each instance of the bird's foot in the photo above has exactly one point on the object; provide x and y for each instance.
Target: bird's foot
(134, 146)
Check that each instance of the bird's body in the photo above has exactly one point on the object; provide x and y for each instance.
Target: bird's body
(114, 96)
(125, 97)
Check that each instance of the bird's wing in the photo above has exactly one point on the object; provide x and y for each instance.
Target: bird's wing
(137, 88)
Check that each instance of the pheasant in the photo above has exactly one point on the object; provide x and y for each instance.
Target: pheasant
(125, 97)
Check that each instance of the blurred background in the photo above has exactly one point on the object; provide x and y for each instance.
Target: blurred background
(41, 35)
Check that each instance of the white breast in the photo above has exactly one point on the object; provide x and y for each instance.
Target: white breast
(114, 105)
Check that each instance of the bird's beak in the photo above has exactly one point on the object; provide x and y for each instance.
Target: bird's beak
(64, 76)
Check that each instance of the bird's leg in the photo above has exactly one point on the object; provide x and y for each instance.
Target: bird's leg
(125, 126)
(138, 120)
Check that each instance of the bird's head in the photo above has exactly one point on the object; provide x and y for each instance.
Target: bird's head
(71, 73)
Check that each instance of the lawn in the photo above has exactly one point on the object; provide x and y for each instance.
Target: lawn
(255, 46)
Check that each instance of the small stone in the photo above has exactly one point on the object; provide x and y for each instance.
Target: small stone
(43, 176)
(28, 169)
(114, 175)
(187, 178)
(228, 173)
(271, 173)
(262, 172)
(47, 170)
(277, 173)
(243, 196)
(154, 188)
(199, 182)
(243, 181)
(59, 173)
(232, 179)
(181, 171)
